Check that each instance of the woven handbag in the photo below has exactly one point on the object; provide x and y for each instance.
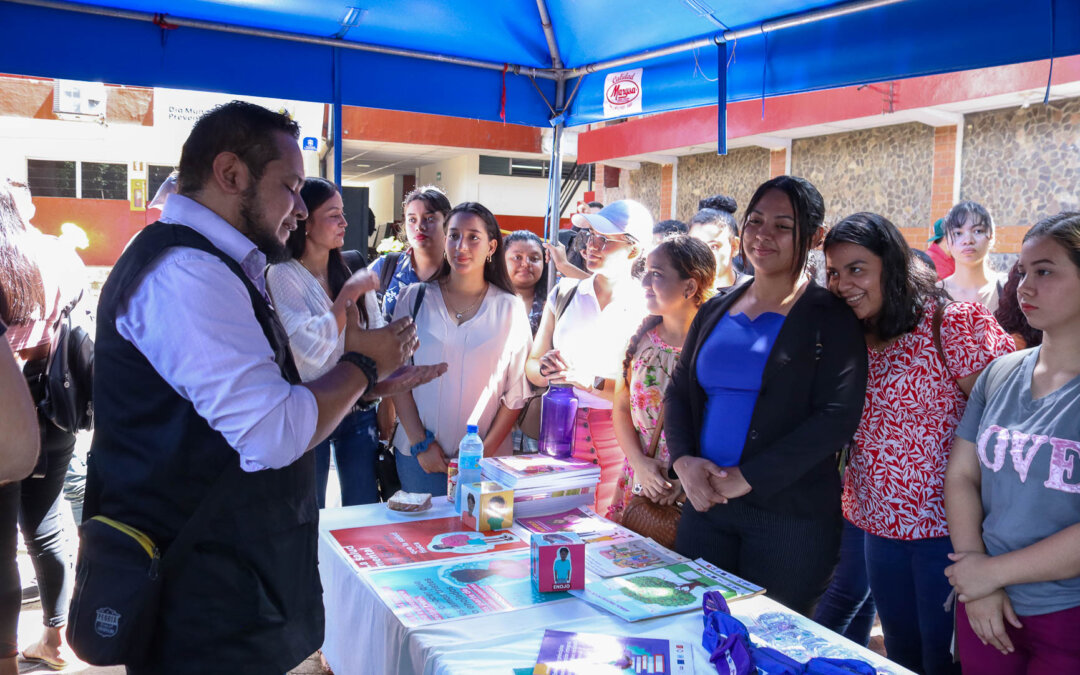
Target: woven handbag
(659, 522)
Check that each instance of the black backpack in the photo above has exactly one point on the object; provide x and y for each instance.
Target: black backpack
(68, 397)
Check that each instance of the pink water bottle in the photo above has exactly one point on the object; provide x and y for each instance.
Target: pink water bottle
(558, 409)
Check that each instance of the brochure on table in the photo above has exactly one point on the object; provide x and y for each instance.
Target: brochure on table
(664, 590)
(612, 559)
(563, 653)
(582, 521)
(419, 541)
(441, 591)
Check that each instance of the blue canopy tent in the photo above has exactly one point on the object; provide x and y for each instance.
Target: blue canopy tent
(532, 62)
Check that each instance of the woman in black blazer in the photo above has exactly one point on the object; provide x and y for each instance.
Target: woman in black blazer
(769, 388)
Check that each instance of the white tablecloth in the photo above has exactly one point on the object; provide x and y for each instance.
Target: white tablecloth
(363, 637)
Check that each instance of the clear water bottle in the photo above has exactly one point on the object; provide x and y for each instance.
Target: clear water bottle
(558, 409)
(470, 451)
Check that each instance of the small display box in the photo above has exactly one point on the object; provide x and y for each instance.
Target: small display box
(487, 506)
(558, 562)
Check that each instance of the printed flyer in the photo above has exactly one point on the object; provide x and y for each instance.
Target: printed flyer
(440, 591)
(582, 521)
(563, 653)
(664, 590)
(418, 541)
(612, 559)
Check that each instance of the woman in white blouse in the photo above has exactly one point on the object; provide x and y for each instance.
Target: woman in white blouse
(470, 318)
(313, 294)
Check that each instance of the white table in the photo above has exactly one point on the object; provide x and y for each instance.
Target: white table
(363, 637)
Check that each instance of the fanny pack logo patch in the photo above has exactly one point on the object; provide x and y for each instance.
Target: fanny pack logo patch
(107, 623)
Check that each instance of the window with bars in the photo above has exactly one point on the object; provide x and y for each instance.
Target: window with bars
(48, 178)
(104, 181)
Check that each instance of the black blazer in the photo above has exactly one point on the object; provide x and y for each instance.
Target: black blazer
(811, 400)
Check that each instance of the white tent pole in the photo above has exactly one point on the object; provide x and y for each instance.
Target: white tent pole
(543, 73)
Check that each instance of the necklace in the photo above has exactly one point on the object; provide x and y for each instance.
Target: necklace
(458, 315)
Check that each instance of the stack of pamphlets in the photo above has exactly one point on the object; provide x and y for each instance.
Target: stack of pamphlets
(563, 653)
(543, 484)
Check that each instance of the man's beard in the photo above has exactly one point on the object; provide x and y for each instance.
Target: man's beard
(260, 232)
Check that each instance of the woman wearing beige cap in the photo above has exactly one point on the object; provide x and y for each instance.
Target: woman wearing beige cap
(582, 345)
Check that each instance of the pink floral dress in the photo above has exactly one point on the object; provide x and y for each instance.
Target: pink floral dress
(650, 372)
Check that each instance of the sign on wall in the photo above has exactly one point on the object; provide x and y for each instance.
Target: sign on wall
(176, 110)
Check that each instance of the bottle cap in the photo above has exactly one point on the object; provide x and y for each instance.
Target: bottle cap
(472, 429)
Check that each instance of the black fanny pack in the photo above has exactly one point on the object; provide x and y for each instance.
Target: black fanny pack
(119, 576)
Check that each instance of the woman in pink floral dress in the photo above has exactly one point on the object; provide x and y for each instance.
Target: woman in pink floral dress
(678, 278)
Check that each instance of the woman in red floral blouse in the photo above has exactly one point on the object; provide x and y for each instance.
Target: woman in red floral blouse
(925, 353)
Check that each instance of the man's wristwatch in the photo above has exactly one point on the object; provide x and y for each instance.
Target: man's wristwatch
(366, 364)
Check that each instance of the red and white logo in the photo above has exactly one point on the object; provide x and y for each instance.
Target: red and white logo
(623, 89)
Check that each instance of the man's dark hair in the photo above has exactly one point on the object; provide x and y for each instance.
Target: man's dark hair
(719, 203)
(718, 218)
(668, 227)
(242, 128)
(908, 287)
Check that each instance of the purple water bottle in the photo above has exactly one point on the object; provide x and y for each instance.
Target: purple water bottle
(558, 409)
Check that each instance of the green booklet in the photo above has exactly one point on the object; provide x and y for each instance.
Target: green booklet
(671, 589)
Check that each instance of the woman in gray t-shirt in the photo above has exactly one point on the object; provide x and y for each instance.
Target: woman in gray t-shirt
(1012, 489)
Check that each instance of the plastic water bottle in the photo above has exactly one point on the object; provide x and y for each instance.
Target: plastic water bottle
(557, 413)
(470, 450)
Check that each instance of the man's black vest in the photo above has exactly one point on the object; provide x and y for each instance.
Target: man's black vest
(248, 599)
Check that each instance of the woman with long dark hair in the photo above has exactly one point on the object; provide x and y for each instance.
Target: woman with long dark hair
(924, 354)
(470, 318)
(313, 293)
(39, 277)
(1012, 490)
(970, 231)
(767, 391)
(426, 211)
(528, 273)
(679, 276)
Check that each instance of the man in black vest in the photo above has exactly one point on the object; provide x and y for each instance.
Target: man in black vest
(202, 427)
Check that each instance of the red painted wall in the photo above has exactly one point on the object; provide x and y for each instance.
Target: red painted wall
(534, 224)
(372, 124)
(109, 224)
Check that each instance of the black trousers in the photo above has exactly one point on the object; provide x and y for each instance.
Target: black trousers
(34, 505)
(791, 556)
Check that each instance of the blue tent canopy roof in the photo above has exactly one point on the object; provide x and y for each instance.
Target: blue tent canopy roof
(904, 39)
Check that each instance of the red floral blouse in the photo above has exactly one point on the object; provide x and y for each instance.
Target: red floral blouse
(894, 485)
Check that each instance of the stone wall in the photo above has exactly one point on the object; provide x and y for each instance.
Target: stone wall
(736, 174)
(1023, 164)
(644, 186)
(887, 170)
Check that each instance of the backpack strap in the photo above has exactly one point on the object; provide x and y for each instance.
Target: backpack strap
(562, 299)
(939, 314)
(354, 261)
(390, 262)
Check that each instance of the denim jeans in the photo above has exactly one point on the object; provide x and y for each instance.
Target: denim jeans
(354, 443)
(847, 606)
(34, 503)
(415, 479)
(909, 585)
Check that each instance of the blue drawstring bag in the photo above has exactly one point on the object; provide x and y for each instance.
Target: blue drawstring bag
(725, 638)
(822, 666)
(732, 652)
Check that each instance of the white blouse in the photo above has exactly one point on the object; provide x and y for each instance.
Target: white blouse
(486, 364)
(593, 340)
(304, 309)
